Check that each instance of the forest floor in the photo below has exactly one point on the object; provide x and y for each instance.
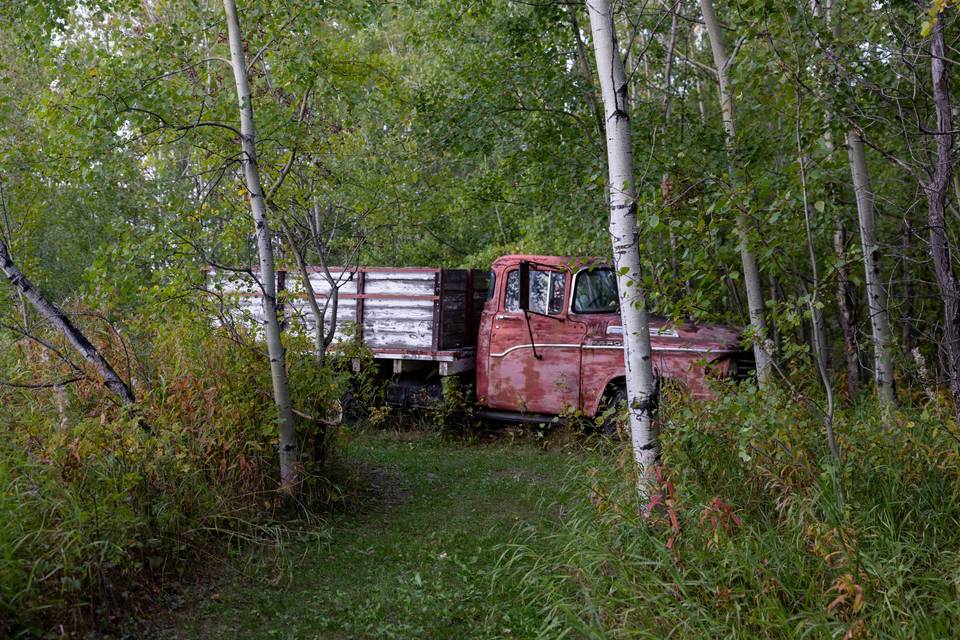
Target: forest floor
(411, 554)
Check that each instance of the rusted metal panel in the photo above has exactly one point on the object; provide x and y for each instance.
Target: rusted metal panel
(579, 355)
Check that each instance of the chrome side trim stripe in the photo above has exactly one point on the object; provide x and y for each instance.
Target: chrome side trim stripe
(618, 347)
(539, 346)
(682, 349)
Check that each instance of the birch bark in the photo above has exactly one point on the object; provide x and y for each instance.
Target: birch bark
(751, 274)
(936, 190)
(845, 296)
(289, 457)
(624, 235)
(59, 321)
(876, 296)
(586, 74)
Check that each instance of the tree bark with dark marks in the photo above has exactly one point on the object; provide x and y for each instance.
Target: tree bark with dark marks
(756, 305)
(624, 235)
(289, 455)
(873, 274)
(941, 249)
(59, 321)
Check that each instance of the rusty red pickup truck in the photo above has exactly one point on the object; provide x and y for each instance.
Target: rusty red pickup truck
(554, 348)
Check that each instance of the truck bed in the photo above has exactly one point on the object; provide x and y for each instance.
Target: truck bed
(402, 314)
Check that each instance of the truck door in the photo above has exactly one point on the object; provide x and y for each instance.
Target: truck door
(542, 376)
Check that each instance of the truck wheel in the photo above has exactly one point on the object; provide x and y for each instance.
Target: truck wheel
(613, 411)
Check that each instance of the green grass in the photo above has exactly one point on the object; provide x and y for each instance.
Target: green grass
(450, 540)
(411, 556)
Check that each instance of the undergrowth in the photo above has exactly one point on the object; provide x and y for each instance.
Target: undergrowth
(100, 508)
(747, 539)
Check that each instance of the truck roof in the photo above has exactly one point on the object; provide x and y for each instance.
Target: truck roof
(570, 262)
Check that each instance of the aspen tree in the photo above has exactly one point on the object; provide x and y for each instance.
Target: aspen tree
(844, 293)
(873, 274)
(624, 235)
(941, 249)
(59, 320)
(751, 274)
(289, 457)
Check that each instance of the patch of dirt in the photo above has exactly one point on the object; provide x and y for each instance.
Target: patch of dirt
(382, 485)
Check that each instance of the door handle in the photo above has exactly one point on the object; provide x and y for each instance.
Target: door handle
(504, 316)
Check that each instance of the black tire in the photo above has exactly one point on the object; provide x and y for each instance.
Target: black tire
(613, 408)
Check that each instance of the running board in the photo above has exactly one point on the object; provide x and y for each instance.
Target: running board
(516, 416)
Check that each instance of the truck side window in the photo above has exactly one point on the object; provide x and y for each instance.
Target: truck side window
(491, 284)
(546, 291)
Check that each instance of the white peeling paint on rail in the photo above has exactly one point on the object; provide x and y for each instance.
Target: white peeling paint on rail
(403, 319)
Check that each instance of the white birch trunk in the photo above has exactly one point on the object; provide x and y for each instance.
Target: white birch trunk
(59, 321)
(751, 274)
(844, 289)
(876, 296)
(589, 90)
(641, 386)
(289, 458)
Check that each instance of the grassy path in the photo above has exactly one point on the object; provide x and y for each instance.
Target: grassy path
(411, 560)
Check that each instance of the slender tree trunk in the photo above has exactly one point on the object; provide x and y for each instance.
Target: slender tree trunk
(940, 245)
(589, 91)
(845, 296)
(333, 299)
(289, 457)
(751, 274)
(848, 323)
(318, 316)
(644, 62)
(665, 183)
(641, 386)
(816, 314)
(906, 289)
(876, 296)
(668, 70)
(8, 238)
(59, 321)
(845, 293)
(775, 334)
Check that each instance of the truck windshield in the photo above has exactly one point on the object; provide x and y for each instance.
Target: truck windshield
(595, 291)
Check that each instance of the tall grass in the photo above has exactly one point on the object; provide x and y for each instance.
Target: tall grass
(750, 542)
(98, 511)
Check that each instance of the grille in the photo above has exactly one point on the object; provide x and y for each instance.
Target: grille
(744, 366)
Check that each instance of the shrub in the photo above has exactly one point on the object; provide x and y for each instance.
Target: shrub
(748, 540)
(99, 507)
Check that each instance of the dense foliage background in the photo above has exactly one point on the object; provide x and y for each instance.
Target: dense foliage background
(447, 133)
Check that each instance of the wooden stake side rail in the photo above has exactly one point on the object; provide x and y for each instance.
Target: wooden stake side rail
(416, 314)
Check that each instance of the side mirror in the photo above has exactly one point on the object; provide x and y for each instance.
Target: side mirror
(524, 303)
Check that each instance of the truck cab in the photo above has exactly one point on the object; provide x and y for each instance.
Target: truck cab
(565, 352)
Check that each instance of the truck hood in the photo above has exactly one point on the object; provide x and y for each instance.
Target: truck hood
(667, 334)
